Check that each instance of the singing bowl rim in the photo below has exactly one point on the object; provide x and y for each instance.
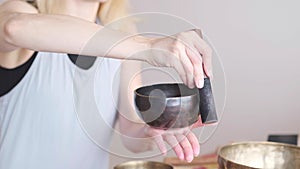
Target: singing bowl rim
(130, 163)
(194, 90)
(220, 155)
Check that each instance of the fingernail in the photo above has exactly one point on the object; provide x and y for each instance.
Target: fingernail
(189, 159)
(181, 157)
(197, 153)
(200, 83)
(197, 84)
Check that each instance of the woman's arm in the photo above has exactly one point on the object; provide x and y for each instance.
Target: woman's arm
(186, 52)
(7, 11)
(132, 129)
(60, 33)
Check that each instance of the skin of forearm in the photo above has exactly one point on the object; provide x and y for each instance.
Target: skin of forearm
(67, 34)
(134, 137)
(130, 126)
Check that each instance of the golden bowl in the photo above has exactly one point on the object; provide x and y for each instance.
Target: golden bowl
(259, 155)
(143, 165)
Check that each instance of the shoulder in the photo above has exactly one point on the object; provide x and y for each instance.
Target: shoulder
(12, 59)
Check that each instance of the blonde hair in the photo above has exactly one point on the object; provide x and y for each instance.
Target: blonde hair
(108, 12)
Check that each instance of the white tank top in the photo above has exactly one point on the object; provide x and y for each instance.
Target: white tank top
(39, 124)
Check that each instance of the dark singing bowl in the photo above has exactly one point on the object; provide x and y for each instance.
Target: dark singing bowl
(143, 165)
(259, 155)
(166, 106)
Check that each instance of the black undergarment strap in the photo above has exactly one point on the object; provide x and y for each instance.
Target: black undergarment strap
(9, 78)
(84, 62)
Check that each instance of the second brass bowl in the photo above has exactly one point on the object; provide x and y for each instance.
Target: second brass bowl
(259, 155)
(143, 165)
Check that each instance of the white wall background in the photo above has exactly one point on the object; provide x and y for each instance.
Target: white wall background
(259, 45)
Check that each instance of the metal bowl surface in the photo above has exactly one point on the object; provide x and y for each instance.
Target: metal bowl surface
(259, 155)
(143, 165)
(165, 106)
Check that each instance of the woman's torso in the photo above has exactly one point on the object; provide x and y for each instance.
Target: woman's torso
(59, 115)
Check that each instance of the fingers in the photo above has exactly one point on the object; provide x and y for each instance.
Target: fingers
(186, 147)
(183, 142)
(180, 70)
(183, 146)
(207, 60)
(196, 58)
(194, 142)
(197, 66)
(188, 53)
(183, 65)
(188, 67)
(158, 139)
(191, 62)
(206, 52)
(160, 144)
(172, 141)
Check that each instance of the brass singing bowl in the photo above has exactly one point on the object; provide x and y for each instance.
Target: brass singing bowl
(143, 165)
(165, 106)
(259, 155)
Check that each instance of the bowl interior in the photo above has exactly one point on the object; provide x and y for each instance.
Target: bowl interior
(262, 155)
(168, 90)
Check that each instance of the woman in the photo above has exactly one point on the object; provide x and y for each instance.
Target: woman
(38, 124)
